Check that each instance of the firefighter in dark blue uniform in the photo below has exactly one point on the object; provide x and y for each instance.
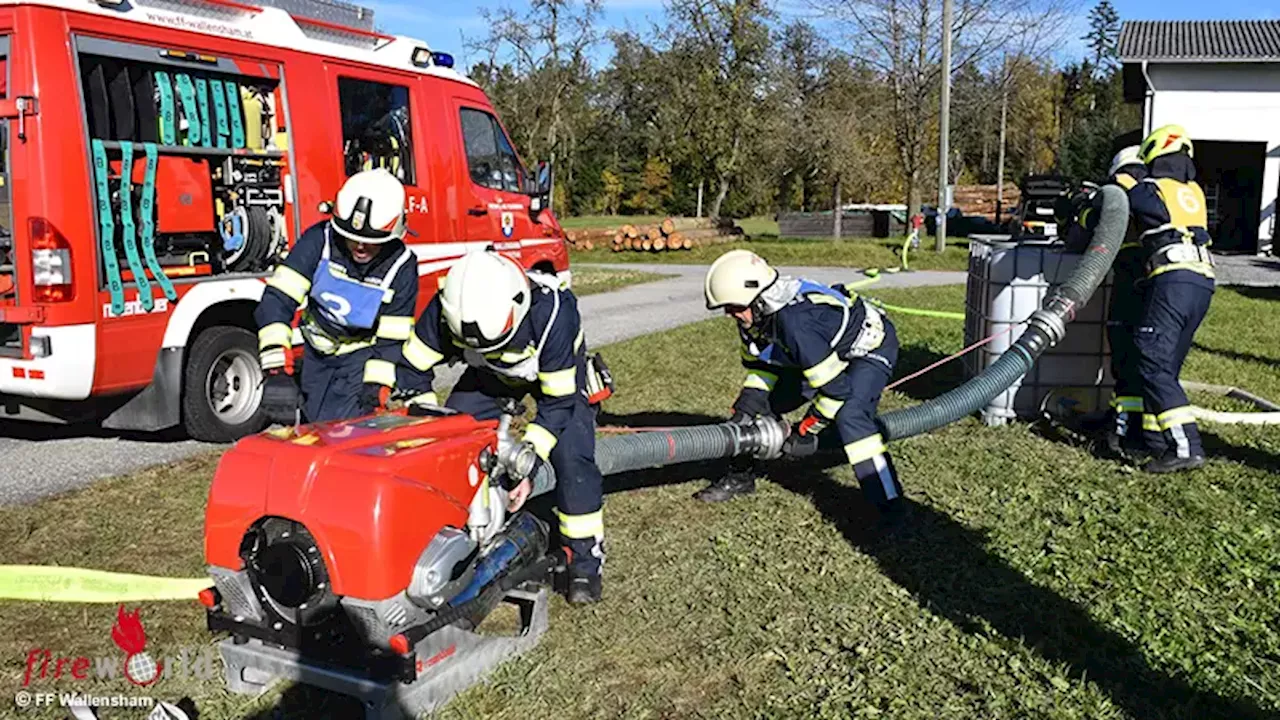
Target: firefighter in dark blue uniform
(521, 334)
(359, 284)
(1124, 310)
(1170, 215)
(803, 341)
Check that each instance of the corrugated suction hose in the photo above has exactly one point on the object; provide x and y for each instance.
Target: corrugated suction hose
(1045, 328)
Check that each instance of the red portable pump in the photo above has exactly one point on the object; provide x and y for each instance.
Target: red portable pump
(349, 543)
(358, 556)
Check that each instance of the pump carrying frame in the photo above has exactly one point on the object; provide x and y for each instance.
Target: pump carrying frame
(251, 667)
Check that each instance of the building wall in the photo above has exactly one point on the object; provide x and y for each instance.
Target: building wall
(1229, 102)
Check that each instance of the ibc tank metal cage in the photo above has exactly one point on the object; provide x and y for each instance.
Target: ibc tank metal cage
(1007, 282)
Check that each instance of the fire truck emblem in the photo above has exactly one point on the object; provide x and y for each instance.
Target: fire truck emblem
(129, 636)
(508, 224)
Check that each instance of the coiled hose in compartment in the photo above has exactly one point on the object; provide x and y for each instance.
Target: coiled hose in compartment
(1045, 328)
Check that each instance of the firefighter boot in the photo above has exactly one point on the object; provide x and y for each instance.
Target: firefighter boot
(740, 480)
(582, 579)
(583, 589)
(1171, 463)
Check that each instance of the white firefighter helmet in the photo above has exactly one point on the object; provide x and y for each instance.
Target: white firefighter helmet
(1131, 155)
(737, 278)
(485, 298)
(370, 208)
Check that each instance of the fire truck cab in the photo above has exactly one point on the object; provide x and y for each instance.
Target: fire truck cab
(159, 157)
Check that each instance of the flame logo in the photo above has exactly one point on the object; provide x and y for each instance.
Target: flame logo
(129, 635)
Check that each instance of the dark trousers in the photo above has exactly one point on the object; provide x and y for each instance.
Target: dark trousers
(1132, 423)
(1174, 305)
(855, 423)
(332, 385)
(579, 484)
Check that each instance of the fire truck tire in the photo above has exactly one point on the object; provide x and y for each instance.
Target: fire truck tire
(222, 387)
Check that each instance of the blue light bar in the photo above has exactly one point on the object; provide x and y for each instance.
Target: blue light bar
(442, 59)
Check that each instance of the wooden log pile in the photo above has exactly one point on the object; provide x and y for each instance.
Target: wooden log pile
(669, 235)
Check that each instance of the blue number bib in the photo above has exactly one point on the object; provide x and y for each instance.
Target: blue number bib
(343, 301)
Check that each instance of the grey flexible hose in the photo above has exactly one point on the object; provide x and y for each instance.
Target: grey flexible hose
(1045, 328)
(637, 451)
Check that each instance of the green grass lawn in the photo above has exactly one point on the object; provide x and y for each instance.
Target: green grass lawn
(760, 226)
(851, 252)
(589, 280)
(1039, 581)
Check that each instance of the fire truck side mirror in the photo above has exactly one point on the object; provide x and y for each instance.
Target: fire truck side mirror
(540, 196)
(545, 176)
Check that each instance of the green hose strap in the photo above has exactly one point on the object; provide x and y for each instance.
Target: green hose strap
(107, 229)
(129, 236)
(916, 311)
(862, 283)
(64, 584)
(202, 101)
(233, 109)
(146, 207)
(188, 94)
(219, 94)
(168, 134)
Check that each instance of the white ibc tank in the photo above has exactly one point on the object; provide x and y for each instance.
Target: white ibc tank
(1007, 282)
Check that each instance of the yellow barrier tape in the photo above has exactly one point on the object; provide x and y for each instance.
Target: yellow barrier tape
(65, 584)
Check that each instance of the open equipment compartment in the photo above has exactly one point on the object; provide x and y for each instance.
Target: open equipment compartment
(205, 140)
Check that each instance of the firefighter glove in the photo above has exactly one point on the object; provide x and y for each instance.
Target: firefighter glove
(373, 397)
(812, 423)
(280, 397)
(801, 443)
(752, 402)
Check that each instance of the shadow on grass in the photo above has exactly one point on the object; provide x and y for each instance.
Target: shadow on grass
(1237, 355)
(1216, 447)
(947, 568)
(1256, 292)
(300, 702)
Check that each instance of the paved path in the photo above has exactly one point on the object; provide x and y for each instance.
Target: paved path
(665, 304)
(1247, 270)
(40, 460)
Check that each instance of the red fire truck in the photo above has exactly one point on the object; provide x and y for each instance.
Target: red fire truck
(160, 156)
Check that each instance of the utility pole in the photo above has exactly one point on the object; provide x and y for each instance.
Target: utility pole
(945, 127)
(1004, 113)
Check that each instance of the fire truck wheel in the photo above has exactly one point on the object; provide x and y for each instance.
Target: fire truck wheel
(222, 391)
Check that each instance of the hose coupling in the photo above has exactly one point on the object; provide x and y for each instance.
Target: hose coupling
(764, 437)
(1050, 318)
